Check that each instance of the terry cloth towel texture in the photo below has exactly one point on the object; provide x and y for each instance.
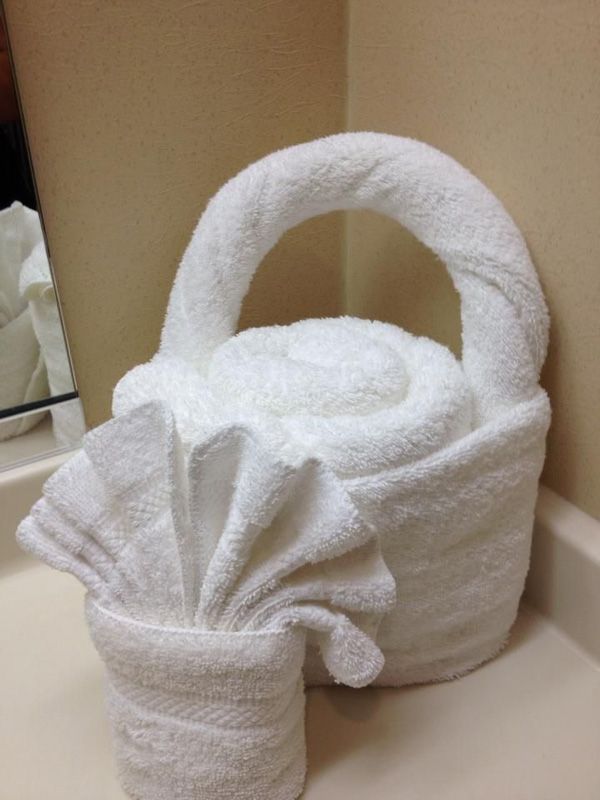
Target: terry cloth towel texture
(441, 456)
(205, 573)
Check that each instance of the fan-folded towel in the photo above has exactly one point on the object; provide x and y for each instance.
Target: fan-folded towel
(204, 574)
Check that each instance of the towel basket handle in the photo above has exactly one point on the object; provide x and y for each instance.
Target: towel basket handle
(504, 317)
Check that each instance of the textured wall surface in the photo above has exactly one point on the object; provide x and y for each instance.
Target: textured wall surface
(137, 113)
(511, 90)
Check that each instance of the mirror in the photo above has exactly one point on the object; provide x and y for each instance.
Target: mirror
(39, 406)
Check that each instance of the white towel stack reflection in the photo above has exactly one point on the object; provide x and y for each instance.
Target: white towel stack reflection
(23, 377)
(34, 364)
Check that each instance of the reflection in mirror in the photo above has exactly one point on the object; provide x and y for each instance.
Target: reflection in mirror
(39, 409)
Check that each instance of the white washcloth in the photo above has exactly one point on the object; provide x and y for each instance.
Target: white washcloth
(441, 456)
(205, 571)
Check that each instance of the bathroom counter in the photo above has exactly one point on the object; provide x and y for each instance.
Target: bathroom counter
(526, 726)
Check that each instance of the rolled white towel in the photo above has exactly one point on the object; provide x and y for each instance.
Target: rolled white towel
(200, 715)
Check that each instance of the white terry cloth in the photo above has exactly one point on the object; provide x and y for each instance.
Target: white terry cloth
(23, 376)
(205, 571)
(441, 456)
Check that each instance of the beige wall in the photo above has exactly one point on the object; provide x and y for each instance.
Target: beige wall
(510, 89)
(137, 112)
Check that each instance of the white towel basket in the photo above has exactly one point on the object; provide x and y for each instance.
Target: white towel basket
(451, 486)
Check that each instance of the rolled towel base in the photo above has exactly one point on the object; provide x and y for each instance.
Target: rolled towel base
(201, 715)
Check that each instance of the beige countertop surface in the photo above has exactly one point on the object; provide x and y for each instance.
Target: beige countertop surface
(526, 726)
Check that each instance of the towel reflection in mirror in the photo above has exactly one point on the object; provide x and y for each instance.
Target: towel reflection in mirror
(33, 358)
(34, 363)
